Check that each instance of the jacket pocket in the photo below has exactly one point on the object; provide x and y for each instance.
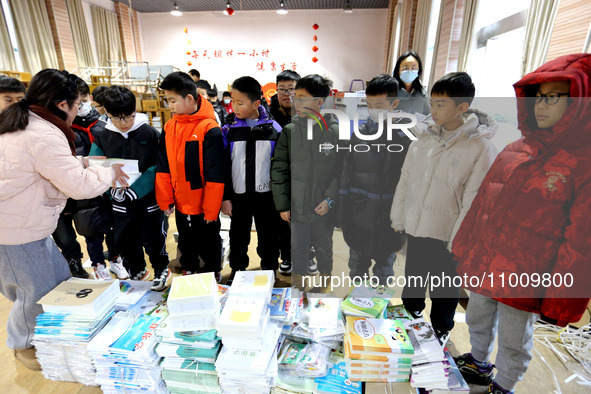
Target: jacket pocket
(192, 166)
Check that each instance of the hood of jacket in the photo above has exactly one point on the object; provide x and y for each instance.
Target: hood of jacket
(573, 129)
(139, 120)
(476, 125)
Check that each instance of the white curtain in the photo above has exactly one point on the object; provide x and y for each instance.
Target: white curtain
(80, 34)
(33, 34)
(7, 61)
(587, 45)
(467, 34)
(421, 33)
(390, 57)
(538, 30)
(106, 32)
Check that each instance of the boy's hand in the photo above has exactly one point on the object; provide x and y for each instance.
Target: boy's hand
(227, 207)
(120, 176)
(286, 215)
(322, 208)
(169, 211)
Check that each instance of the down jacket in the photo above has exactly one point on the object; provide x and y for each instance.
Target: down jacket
(441, 177)
(37, 175)
(532, 215)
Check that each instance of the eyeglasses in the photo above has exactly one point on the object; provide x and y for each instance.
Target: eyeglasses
(286, 91)
(550, 98)
(406, 68)
(121, 119)
(79, 103)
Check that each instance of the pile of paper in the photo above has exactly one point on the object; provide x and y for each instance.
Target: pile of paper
(124, 357)
(455, 380)
(377, 350)
(75, 311)
(430, 368)
(130, 293)
(283, 305)
(337, 380)
(253, 284)
(193, 302)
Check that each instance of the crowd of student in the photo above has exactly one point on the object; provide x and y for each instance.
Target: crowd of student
(462, 207)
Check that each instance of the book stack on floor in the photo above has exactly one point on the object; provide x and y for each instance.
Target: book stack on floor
(130, 293)
(74, 312)
(367, 301)
(429, 364)
(377, 350)
(187, 338)
(337, 380)
(283, 306)
(124, 357)
(193, 303)
(248, 360)
(455, 380)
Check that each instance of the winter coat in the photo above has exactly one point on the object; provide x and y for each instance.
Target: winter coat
(532, 215)
(37, 175)
(441, 177)
(282, 116)
(304, 172)
(366, 189)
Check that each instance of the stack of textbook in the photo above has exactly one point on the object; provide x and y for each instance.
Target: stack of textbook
(193, 303)
(74, 312)
(430, 368)
(248, 359)
(367, 301)
(124, 357)
(377, 350)
(189, 357)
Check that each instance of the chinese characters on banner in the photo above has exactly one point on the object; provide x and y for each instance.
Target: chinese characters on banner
(261, 60)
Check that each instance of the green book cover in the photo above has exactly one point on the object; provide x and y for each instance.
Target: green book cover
(367, 301)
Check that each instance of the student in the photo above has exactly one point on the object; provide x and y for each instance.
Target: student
(97, 101)
(212, 96)
(138, 223)
(227, 102)
(191, 173)
(39, 171)
(202, 88)
(195, 75)
(304, 178)
(366, 188)
(86, 127)
(530, 217)
(11, 91)
(250, 141)
(408, 71)
(440, 176)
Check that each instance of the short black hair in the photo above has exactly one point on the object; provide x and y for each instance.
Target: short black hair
(180, 83)
(456, 85)
(316, 85)
(11, 85)
(82, 86)
(288, 75)
(119, 101)
(213, 92)
(203, 84)
(226, 94)
(97, 94)
(194, 73)
(249, 86)
(382, 84)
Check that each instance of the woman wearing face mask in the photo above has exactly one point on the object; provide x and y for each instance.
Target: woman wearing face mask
(408, 71)
(39, 170)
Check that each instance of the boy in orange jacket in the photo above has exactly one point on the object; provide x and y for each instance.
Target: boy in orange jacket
(190, 174)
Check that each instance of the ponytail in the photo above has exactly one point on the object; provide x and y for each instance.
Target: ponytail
(15, 117)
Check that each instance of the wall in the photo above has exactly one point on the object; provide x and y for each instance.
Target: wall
(570, 29)
(350, 45)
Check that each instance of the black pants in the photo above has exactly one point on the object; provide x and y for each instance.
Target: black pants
(199, 239)
(284, 233)
(428, 256)
(317, 235)
(266, 218)
(137, 225)
(65, 238)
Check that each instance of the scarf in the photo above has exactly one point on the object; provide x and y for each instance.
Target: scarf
(58, 122)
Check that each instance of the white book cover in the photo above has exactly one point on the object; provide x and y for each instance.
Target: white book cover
(81, 297)
(253, 283)
(424, 340)
(130, 167)
(324, 312)
(242, 314)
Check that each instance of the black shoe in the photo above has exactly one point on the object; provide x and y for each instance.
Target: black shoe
(76, 269)
(161, 279)
(471, 372)
(285, 267)
(494, 388)
(231, 278)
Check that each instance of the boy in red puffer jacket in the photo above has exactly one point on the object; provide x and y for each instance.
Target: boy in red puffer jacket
(531, 220)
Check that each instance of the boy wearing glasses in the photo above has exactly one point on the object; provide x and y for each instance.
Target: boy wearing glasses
(138, 221)
(531, 220)
(281, 103)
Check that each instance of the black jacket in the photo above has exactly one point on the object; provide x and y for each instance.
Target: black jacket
(220, 111)
(86, 130)
(279, 114)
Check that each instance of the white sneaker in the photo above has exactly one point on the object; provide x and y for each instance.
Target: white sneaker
(101, 272)
(118, 269)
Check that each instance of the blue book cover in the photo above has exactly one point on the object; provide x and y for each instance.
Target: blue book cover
(337, 381)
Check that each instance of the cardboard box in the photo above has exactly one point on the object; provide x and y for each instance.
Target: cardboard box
(150, 105)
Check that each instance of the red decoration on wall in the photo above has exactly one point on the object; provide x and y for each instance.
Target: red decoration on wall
(188, 52)
(315, 38)
(186, 31)
(189, 63)
(315, 48)
(314, 59)
(315, 26)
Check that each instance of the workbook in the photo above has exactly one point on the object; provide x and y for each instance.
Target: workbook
(377, 336)
(367, 301)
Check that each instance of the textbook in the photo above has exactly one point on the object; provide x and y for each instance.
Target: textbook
(130, 167)
(193, 294)
(398, 312)
(377, 336)
(367, 301)
(80, 296)
(280, 303)
(243, 317)
(253, 284)
(337, 381)
(424, 341)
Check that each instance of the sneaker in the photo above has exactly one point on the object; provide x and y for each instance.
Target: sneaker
(218, 277)
(285, 267)
(185, 272)
(494, 388)
(76, 269)
(118, 269)
(161, 279)
(142, 275)
(416, 314)
(312, 267)
(28, 357)
(101, 272)
(442, 336)
(473, 373)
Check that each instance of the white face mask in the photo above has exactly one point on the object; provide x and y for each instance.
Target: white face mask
(378, 115)
(85, 109)
(227, 101)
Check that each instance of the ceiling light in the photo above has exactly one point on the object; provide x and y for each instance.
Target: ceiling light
(282, 10)
(229, 10)
(348, 9)
(176, 11)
